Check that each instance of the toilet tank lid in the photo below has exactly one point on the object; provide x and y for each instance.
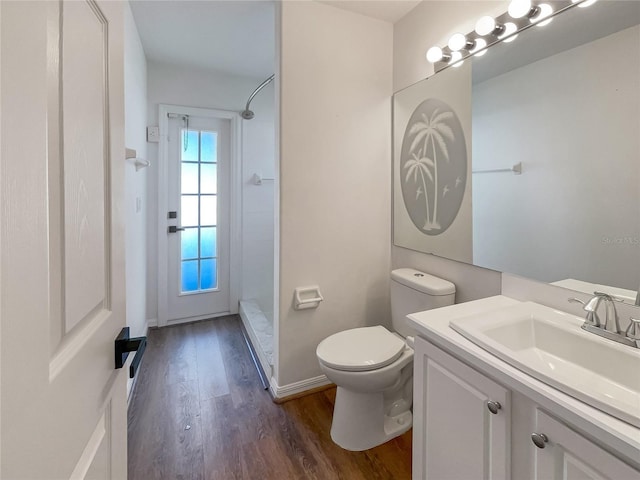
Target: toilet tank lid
(423, 282)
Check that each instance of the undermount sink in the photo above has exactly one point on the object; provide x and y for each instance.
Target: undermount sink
(550, 346)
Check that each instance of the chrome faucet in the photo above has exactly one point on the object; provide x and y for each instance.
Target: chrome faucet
(611, 327)
(611, 321)
(591, 307)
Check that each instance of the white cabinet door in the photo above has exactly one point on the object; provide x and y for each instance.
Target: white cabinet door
(455, 436)
(62, 258)
(568, 455)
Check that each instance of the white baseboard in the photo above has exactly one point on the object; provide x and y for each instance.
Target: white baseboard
(302, 386)
(152, 322)
(198, 318)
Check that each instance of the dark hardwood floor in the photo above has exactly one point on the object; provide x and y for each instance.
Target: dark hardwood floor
(199, 412)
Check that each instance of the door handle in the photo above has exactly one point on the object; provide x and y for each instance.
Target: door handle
(174, 229)
(124, 345)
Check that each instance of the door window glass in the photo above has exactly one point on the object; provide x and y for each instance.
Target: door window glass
(199, 210)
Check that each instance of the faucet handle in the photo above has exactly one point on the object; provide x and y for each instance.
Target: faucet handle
(590, 307)
(576, 300)
(633, 330)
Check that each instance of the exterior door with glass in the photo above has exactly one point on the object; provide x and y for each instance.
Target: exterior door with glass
(197, 226)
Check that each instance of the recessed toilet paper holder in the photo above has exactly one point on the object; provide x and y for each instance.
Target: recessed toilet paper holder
(307, 297)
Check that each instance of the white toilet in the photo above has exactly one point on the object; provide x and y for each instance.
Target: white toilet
(373, 367)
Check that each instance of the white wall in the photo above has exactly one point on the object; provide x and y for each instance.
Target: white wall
(174, 85)
(258, 152)
(135, 89)
(431, 23)
(580, 157)
(335, 88)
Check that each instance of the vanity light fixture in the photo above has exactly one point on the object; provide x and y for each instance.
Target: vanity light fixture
(521, 14)
(584, 3)
(509, 29)
(544, 11)
(458, 42)
(435, 54)
(455, 59)
(487, 26)
(519, 8)
(479, 49)
(535, 13)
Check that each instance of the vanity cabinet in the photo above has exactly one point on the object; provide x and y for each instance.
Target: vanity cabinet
(567, 455)
(461, 420)
(460, 433)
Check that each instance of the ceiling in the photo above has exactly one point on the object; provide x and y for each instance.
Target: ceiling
(231, 36)
(387, 10)
(234, 37)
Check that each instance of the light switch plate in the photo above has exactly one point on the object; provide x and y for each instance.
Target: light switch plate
(153, 134)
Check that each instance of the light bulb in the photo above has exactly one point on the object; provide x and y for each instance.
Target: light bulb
(457, 42)
(455, 56)
(586, 3)
(509, 28)
(485, 26)
(519, 8)
(544, 10)
(480, 43)
(434, 54)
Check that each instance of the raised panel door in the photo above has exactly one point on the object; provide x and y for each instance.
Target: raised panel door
(567, 455)
(62, 304)
(455, 434)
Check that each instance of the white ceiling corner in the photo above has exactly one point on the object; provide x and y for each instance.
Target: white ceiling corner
(388, 10)
(234, 37)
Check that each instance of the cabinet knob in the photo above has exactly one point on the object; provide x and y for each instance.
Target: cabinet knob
(539, 439)
(493, 406)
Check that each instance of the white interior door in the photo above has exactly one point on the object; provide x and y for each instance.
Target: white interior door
(198, 219)
(63, 405)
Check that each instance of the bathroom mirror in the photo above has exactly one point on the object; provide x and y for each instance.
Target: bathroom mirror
(561, 102)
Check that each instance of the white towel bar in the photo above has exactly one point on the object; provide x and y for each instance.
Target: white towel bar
(516, 169)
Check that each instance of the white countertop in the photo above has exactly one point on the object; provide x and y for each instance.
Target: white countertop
(433, 325)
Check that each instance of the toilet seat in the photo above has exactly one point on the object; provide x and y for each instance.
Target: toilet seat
(360, 349)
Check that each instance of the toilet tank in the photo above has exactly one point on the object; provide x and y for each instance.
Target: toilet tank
(413, 291)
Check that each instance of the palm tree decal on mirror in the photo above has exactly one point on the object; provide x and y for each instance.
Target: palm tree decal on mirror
(419, 164)
(434, 162)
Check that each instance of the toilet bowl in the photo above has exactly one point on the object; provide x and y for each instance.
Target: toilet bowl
(374, 383)
(373, 367)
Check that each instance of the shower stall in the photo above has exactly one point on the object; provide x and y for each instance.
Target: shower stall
(258, 219)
